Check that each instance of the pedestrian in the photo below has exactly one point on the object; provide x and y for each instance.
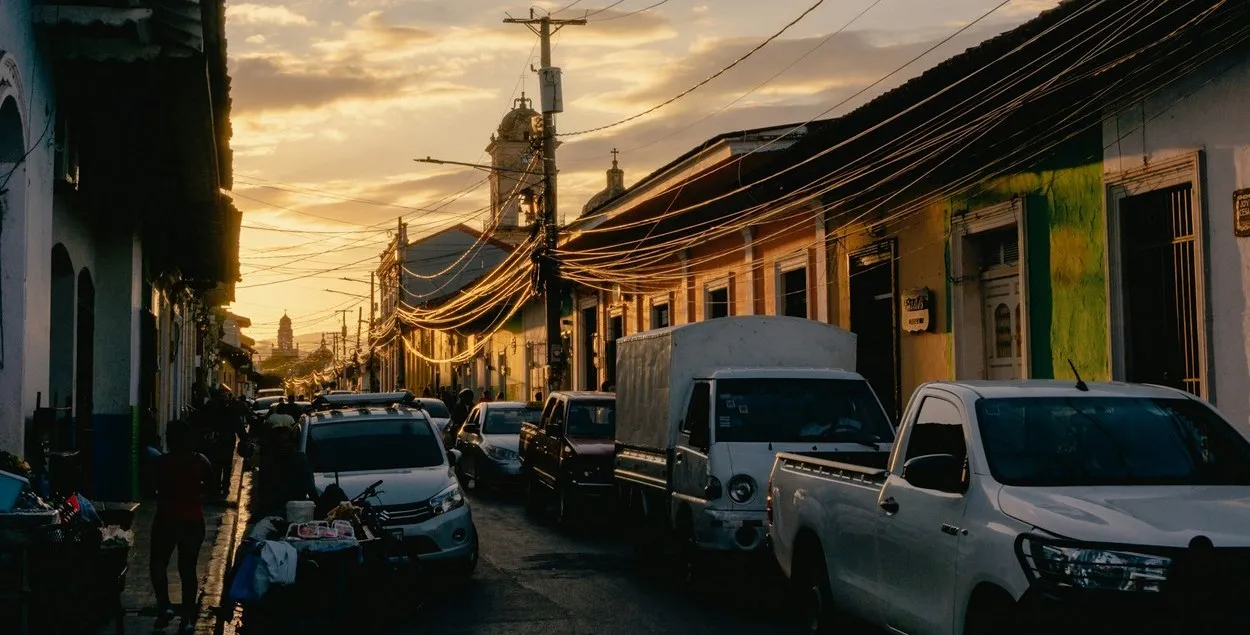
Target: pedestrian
(499, 395)
(538, 397)
(290, 474)
(460, 411)
(182, 478)
(228, 429)
(425, 392)
(485, 395)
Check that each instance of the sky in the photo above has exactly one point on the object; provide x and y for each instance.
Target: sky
(333, 99)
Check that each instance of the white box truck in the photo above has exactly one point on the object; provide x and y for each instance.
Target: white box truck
(703, 409)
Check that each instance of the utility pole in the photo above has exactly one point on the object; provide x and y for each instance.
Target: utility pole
(549, 270)
(372, 361)
(401, 243)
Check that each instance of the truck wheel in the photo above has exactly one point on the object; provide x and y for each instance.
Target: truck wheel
(992, 612)
(812, 585)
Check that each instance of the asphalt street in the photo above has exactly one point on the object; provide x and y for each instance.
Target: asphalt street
(535, 577)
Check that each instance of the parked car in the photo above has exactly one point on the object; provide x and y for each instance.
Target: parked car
(1058, 507)
(436, 410)
(568, 453)
(490, 442)
(270, 392)
(705, 407)
(355, 440)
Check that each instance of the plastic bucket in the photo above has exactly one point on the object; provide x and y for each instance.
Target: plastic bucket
(300, 511)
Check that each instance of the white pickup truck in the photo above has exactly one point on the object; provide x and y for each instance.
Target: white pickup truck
(1034, 506)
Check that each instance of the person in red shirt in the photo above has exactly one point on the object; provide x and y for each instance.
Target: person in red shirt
(182, 477)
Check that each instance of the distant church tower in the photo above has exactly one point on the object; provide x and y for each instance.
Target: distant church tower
(286, 339)
(616, 187)
(516, 146)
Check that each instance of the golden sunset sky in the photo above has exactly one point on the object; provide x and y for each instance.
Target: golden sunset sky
(333, 99)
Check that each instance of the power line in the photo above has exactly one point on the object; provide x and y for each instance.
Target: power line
(739, 98)
(626, 15)
(713, 76)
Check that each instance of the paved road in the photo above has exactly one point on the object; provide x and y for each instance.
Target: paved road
(535, 577)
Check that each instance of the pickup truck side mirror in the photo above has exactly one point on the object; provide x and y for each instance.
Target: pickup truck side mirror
(453, 457)
(938, 472)
(553, 429)
(472, 428)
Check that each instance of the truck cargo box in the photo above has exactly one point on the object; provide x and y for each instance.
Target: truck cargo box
(655, 369)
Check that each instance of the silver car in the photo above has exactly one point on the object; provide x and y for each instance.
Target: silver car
(488, 442)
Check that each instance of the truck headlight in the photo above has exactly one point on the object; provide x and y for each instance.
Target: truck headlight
(741, 489)
(447, 500)
(712, 489)
(1068, 566)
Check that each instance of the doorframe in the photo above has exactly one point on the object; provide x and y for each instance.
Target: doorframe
(877, 247)
(1186, 169)
(969, 343)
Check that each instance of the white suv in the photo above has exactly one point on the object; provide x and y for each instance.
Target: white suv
(355, 441)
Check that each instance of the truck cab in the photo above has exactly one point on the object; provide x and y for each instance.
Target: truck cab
(736, 420)
(567, 454)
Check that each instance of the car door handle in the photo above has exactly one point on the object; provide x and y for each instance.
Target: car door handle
(890, 506)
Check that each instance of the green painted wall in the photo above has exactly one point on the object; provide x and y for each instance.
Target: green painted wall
(1066, 251)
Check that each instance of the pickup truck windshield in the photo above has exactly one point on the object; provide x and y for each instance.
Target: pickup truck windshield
(786, 410)
(509, 420)
(592, 418)
(1092, 441)
(366, 446)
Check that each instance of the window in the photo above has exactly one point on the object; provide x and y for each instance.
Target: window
(799, 411)
(595, 418)
(794, 292)
(697, 411)
(1109, 441)
(1003, 339)
(938, 430)
(660, 316)
(718, 303)
(369, 446)
(508, 420)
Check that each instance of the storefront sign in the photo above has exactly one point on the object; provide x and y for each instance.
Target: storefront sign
(917, 306)
(1241, 212)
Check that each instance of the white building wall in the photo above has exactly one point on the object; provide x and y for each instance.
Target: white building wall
(1207, 112)
(26, 230)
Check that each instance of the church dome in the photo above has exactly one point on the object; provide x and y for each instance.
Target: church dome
(285, 321)
(518, 123)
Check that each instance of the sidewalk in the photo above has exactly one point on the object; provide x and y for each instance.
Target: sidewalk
(221, 521)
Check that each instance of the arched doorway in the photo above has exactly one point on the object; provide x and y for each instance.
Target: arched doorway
(12, 214)
(61, 333)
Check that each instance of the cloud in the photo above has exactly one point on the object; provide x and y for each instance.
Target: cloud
(280, 83)
(255, 39)
(262, 14)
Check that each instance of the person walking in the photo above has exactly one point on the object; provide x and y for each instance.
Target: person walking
(228, 428)
(182, 478)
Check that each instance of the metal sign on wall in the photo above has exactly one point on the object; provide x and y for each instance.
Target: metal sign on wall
(1241, 212)
(917, 310)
